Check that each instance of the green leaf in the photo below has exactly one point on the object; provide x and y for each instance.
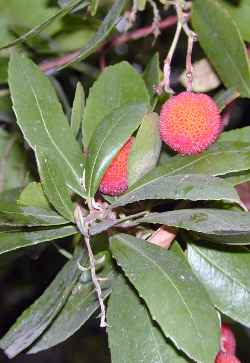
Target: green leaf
(33, 321)
(41, 119)
(45, 23)
(81, 304)
(129, 322)
(152, 76)
(238, 135)
(102, 33)
(127, 87)
(14, 215)
(238, 178)
(14, 170)
(174, 296)
(108, 139)
(225, 274)
(94, 6)
(188, 187)
(54, 185)
(240, 12)
(222, 226)
(222, 42)
(146, 148)
(10, 241)
(222, 158)
(77, 109)
(33, 196)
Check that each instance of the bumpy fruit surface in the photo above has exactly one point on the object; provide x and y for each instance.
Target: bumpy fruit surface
(226, 358)
(115, 179)
(190, 122)
(227, 340)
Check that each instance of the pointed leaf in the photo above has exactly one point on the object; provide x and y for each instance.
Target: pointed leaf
(188, 187)
(33, 196)
(108, 139)
(223, 226)
(127, 87)
(81, 304)
(77, 109)
(174, 296)
(39, 315)
(225, 274)
(222, 42)
(10, 241)
(41, 119)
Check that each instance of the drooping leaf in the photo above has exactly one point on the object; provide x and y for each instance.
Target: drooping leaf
(225, 274)
(77, 109)
(222, 42)
(146, 148)
(41, 119)
(188, 187)
(174, 296)
(33, 321)
(10, 241)
(129, 322)
(108, 139)
(81, 304)
(127, 87)
(54, 185)
(18, 216)
(33, 196)
(222, 226)
(151, 77)
(102, 33)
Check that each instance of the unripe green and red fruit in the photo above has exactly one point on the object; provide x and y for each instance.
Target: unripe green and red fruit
(115, 179)
(226, 358)
(190, 122)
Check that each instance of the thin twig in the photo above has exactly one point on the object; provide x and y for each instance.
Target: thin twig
(189, 66)
(83, 224)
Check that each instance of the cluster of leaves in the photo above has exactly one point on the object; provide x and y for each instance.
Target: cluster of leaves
(164, 304)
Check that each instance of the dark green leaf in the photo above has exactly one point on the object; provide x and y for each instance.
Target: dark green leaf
(54, 185)
(222, 158)
(151, 77)
(127, 87)
(77, 109)
(33, 321)
(225, 274)
(10, 241)
(188, 187)
(41, 118)
(222, 42)
(174, 296)
(223, 226)
(81, 304)
(102, 33)
(108, 139)
(129, 322)
(14, 215)
(146, 148)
